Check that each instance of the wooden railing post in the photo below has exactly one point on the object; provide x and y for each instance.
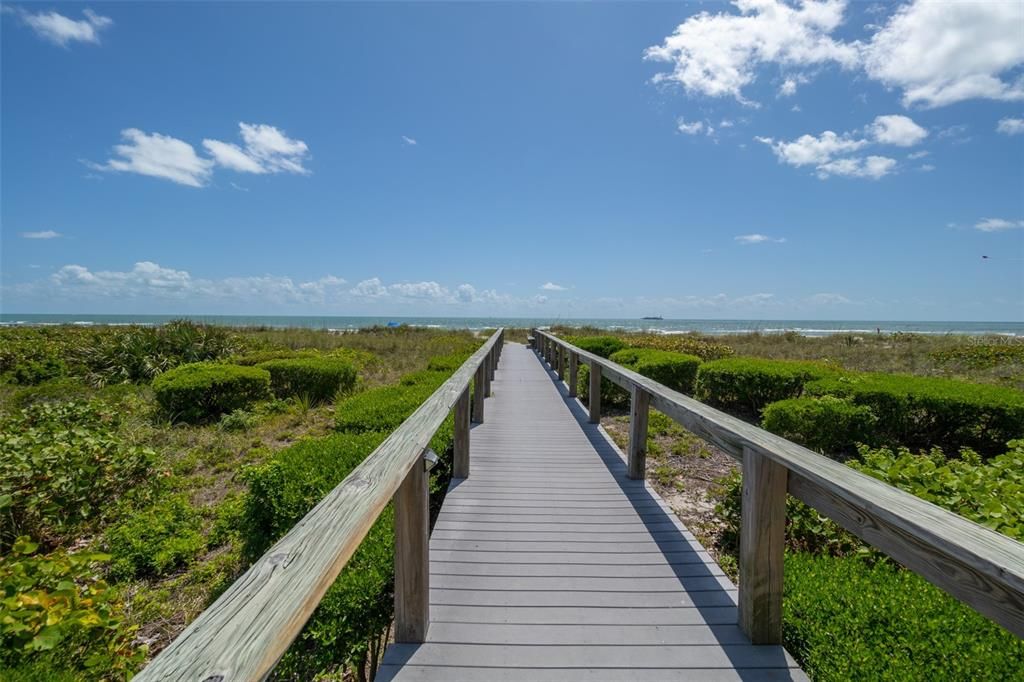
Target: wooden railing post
(412, 555)
(478, 395)
(560, 362)
(460, 456)
(595, 393)
(487, 375)
(574, 370)
(762, 536)
(492, 364)
(639, 408)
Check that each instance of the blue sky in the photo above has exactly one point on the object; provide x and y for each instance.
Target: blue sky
(752, 160)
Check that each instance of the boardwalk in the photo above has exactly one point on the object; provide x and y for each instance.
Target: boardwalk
(547, 563)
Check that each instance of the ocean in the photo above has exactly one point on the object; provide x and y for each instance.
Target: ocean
(340, 323)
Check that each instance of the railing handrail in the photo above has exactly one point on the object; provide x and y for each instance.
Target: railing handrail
(243, 634)
(977, 565)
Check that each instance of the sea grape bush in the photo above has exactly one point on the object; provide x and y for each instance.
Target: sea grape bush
(747, 385)
(598, 345)
(922, 412)
(320, 379)
(830, 425)
(981, 355)
(62, 465)
(154, 541)
(675, 370)
(200, 392)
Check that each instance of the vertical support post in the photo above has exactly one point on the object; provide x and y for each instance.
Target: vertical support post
(487, 375)
(574, 371)
(478, 395)
(412, 556)
(492, 363)
(460, 456)
(639, 408)
(595, 393)
(560, 362)
(762, 535)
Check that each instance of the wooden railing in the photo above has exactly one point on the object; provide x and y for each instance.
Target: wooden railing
(982, 568)
(243, 634)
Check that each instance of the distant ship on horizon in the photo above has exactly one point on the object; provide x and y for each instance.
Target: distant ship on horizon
(653, 317)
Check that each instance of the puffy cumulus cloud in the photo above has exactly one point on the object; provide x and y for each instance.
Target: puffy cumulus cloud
(939, 53)
(691, 128)
(871, 167)
(936, 53)
(427, 291)
(159, 156)
(997, 224)
(1010, 126)
(812, 150)
(747, 239)
(897, 130)
(551, 286)
(717, 55)
(61, 30)
(267, 150)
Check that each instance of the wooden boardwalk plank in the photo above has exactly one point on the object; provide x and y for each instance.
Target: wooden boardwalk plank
(548, 563)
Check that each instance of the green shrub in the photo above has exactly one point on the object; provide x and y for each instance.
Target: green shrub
(827, 424)
(981, 355)
(675, 370)
(746, 385)
(921, 412)
(239, 420)
(425, 377)
(135, 353)
(357, 608)
(57, 613)
(32, 372)
(598, 345)
(203, 391)
(318, 378)
(260, 356)
(447, 363)
(156, 541)
(611, 394)
(851, 619)
(61, 465)
(381, 409)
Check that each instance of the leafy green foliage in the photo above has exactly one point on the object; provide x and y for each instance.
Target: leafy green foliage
(203, 391)
(257, 357)
(981, 355)
(32, 372)
(611, 395)
(829, 425)
(380, 409)
(137, 354)
(154, 541)
(57, 612)
(686, 344)
(921, 412)
(851, 619)
(598, 345)
(447, 363)
(62, 464)
(318, 378)
(675, 370)
(747, 385)
(990, 493)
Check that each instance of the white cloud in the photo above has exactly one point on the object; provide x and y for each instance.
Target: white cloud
(61, 30)
(42, 234)
(897, 130)
(810, 150)
(409, 141)
(872, 167)
(267, 150)
(758, 239)
(1010, 126)
(689, 128)
(159, 156)
(939, 53)
(828, 299)
(997, 224)
(918, 155)
(551, 286)
(717, 55)
(926, 167)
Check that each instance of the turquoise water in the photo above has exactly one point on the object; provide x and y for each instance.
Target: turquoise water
(805, 327)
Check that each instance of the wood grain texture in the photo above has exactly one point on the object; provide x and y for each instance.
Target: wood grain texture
(639, 409)
(478, 396)
(574, 372)
(977, 565)
(245, 631)
(460, 454)
(551, 564)
(412, 556)
(594, 393)
(762, 541)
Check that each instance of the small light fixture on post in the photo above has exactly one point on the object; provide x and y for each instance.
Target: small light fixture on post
(430, 459)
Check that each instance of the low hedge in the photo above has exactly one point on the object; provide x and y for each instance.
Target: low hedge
(598, 345)
(260, 356)
(746, 385)
(380, 409)
(921, 412)
(847, 618)
(356, 610)
(675, 370)
(829, 425)
(203, 391)
(611, 394)
(318, 378)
